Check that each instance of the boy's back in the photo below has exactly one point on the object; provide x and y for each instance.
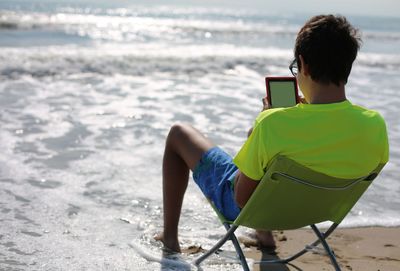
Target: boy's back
(338, 139)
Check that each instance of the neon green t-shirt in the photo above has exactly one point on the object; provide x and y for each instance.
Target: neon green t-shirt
(339, 139)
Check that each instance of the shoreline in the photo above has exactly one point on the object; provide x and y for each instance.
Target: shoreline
(359, 248)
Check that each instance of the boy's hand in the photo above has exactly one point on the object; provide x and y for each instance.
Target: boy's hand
(266, 104)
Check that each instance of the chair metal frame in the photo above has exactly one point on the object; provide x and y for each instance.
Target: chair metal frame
(230, 235)
(231, 227)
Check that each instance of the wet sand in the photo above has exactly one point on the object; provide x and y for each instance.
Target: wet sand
(372, 248)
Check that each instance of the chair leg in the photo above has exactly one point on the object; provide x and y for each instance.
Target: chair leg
(302, 252)
(230, 235)
(238, 249)
(321, 237)
(219, 244)
(305, 250)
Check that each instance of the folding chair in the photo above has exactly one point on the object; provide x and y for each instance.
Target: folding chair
(292, 196)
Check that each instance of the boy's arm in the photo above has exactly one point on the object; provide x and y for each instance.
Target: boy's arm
(244, 188)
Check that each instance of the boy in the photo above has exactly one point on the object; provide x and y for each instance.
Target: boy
(327, 133)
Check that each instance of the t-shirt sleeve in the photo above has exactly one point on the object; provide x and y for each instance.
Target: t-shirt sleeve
(252, 157)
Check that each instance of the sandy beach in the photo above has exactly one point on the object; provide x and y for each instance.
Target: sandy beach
(372, 248)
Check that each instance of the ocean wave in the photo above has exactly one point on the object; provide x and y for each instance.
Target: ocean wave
(229, 24)
(109, 58)
(157, 22)
(137, 60)
(101, 26)
(8, 25)
(152, 58)
(379, 60)
(382, 36)
(166, 11)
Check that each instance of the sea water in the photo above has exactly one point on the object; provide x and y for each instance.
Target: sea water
(88, 93)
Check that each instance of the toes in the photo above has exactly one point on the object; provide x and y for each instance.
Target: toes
(159, 237)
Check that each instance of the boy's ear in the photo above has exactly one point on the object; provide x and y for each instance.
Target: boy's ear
(304, 67)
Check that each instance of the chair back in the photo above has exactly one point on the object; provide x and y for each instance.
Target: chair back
(292, 196)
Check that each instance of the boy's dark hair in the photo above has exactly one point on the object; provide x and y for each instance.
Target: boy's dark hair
(329, 45)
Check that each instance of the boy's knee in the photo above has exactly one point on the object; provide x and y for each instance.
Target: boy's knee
(178, 131)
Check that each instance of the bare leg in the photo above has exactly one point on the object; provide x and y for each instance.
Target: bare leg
(265, 239)
(183, 150)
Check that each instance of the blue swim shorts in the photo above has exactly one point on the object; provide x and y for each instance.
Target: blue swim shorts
(214, 175)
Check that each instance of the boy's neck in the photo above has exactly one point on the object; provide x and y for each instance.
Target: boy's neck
(326, 93)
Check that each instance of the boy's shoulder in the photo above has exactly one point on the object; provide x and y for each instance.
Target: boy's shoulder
(351, 112)
(369, 115)
(274, 113)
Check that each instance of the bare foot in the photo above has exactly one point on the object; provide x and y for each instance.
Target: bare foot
(260, 239)
(170, 244)
(265, 239)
